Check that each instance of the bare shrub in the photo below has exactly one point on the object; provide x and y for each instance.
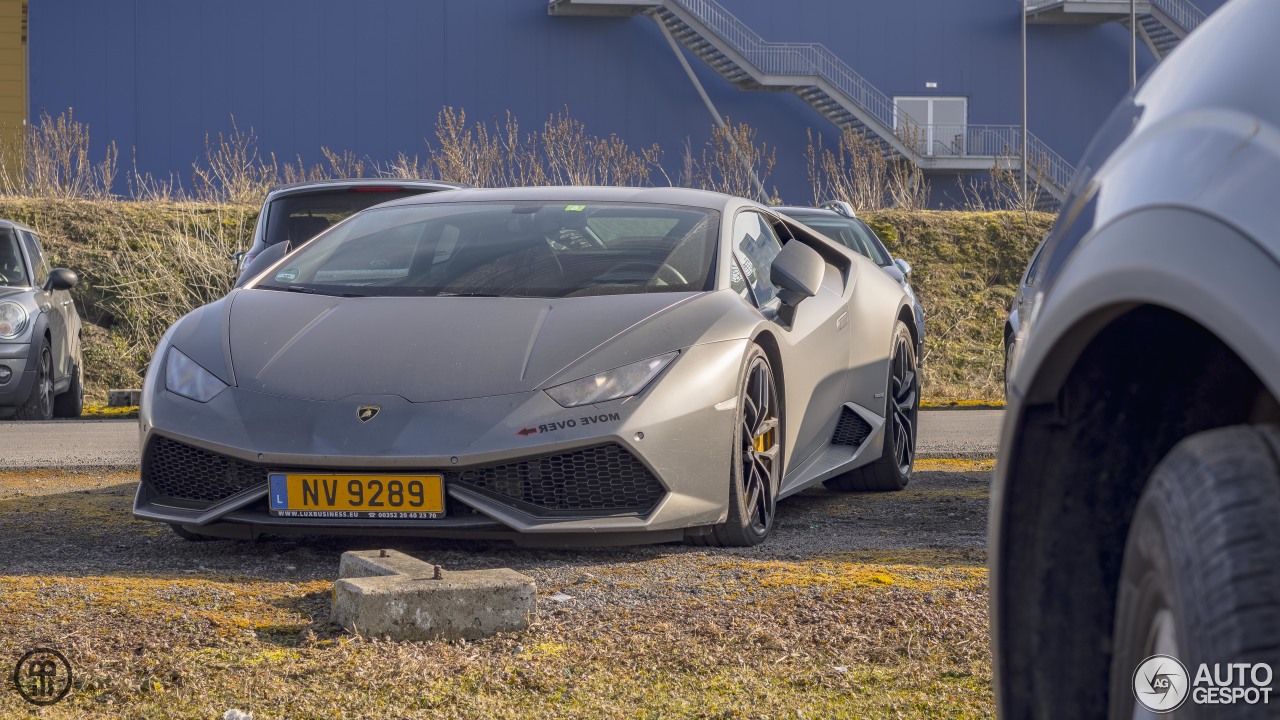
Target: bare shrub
(859, 172)
(147, 188)
(50, 158)
(232, 170)
(1003, 188)
(733, 163)
(165, 272)
(856, 171)
(466, 154)
(908, 189)
(562, 153)
(404, 167)
(574, 157)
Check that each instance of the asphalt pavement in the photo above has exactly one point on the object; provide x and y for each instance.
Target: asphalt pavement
(79, 444)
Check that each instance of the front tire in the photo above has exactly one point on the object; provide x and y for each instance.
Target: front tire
(756, 467)
(39, 403)
(1198, 580)
(892, 471)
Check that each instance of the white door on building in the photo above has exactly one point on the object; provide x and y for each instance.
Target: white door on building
(936, 125)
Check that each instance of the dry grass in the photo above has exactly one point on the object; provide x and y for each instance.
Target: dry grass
(869, 633)
(830, 637)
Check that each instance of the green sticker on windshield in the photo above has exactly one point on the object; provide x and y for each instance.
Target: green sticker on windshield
(574, 208)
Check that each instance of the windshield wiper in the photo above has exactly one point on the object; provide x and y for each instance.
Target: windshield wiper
(310, 291)
(467, 294)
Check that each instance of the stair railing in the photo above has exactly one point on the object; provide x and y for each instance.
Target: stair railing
(791, 58)
(1182, 12)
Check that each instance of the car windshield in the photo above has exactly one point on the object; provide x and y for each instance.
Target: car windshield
(525, 249)
(852, 233)
(298, 218)
(13, 272)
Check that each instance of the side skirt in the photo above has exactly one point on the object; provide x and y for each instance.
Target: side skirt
(835, 459)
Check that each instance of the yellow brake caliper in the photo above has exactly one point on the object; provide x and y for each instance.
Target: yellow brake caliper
(764, 442)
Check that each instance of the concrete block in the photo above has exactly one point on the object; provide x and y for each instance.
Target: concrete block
(123, 398)
(385, 593)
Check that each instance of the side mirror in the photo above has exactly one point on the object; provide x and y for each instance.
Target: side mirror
(61, 279)
(797, 271)
(904, 266)
(264, 260)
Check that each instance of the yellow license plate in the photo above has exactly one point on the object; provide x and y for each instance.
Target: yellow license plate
(382, 497)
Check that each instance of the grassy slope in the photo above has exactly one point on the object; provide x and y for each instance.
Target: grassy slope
(966, 267)
(105, 242)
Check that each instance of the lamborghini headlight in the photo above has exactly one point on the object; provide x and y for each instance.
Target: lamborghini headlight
(184, 376)
(13, 320)
(616, 383)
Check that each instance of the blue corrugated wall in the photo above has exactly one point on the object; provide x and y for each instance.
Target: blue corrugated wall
(371, 75)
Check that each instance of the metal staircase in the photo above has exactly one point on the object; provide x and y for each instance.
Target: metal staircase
(830, 86)
(1162, 24)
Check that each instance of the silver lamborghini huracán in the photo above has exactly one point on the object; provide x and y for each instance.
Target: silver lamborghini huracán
(599, 365)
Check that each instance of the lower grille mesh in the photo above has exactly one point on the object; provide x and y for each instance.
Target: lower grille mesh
(851, 430)
(600, 478)
(178, 470)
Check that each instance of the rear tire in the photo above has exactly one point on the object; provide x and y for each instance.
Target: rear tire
(892, 470)
(39, 403)
(1008, 364)
(70, 404)
(1198, 581)
(756, 465)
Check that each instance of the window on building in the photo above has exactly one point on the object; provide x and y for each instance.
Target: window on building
(936, 125)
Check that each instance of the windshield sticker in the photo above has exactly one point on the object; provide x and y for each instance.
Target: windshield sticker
(287, 275)
(558, 425)
(574, 208)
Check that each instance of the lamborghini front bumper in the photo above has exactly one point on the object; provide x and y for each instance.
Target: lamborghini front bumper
(518, 466)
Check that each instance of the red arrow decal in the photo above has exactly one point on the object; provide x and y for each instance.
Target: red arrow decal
(526, 431)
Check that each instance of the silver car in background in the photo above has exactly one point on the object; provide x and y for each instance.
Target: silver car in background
(838, 221)
(41, 370)
(298, 212)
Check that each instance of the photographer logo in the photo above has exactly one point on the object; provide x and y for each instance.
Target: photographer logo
(42, 676)
(1160, 683)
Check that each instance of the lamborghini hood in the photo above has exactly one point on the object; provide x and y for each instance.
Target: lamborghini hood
(422, 349)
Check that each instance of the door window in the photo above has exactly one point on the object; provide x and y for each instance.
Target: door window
(39, 267)
(755, 247)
